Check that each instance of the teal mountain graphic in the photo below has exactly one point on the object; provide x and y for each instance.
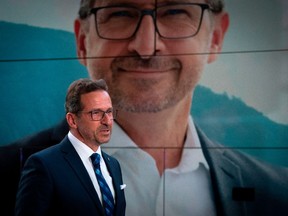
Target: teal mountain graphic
(37, 65)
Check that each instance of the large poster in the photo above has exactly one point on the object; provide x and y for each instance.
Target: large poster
(38, 61)
(240, 102)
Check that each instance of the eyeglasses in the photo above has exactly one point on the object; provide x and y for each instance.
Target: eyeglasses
(172, 21)
(98, 115)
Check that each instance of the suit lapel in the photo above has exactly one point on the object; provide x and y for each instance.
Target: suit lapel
(225, 175)
(112, 171)
(70, 154)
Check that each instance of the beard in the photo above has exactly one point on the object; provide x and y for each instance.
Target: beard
(147, 94)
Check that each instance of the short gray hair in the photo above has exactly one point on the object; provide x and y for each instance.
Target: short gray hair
(86, 5)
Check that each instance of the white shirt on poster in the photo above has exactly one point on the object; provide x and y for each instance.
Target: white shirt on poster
(183, 191)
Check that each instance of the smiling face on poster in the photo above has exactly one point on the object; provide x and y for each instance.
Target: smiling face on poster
(175, 71)
(251, 66)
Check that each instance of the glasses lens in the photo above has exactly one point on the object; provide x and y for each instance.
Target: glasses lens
(117, 22)
(173, 21)
(179, 20)
(97, 115)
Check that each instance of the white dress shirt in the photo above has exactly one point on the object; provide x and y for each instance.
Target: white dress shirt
(183, 191)
(85, 152)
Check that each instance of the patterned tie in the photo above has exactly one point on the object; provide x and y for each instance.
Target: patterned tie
(107, 198)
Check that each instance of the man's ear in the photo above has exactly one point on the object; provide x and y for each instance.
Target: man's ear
(70, 118)
(80, 40)
(220, 28)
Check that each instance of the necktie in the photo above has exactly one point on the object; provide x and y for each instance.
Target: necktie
(107, 197)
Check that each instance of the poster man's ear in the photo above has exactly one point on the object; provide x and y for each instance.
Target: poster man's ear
(220, 28)
(80, 41)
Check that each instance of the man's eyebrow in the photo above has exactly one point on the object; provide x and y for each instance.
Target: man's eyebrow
(97, 110)
(103, 3)
(174, 1)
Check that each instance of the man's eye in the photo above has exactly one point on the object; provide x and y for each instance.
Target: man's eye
(175, 12)
(109, 111)
(121, 14)
(96, 112)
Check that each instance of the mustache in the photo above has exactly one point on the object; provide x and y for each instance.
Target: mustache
(104, 127)
(154, 62)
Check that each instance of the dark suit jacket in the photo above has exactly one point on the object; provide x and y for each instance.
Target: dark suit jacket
(242, 185)
(55, 182)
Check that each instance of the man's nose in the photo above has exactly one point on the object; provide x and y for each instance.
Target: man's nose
(146, 39)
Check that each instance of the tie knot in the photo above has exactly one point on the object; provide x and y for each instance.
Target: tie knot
(95, 157)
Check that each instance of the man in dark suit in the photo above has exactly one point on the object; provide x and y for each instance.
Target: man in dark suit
(61, 180)
(151, 77)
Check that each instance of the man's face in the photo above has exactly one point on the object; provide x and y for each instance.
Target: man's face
(148, 73)
(91, 131)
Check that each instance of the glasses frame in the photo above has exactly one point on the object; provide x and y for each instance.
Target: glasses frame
(153, 14)
(114, 114)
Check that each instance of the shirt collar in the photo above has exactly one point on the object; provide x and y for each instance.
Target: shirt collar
(119, 140)
(81, 148)
(192, 154)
